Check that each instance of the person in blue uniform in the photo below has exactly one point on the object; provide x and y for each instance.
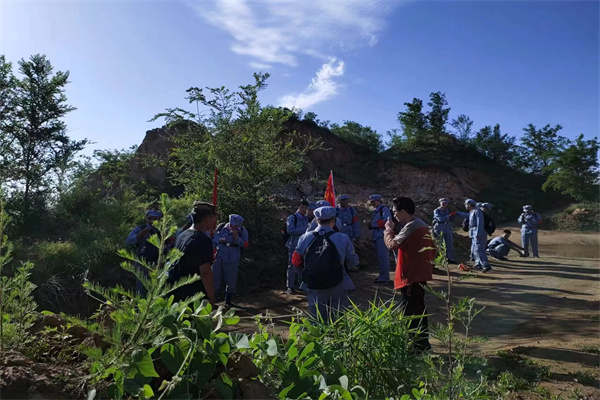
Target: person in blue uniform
(138, 237)
(229, 239)
(478, 236)
(348, 217)
(529, 221)
(381, 214)
(327, 280)
(442, 226)
(499, 246)
(313, 224)
(296, 225)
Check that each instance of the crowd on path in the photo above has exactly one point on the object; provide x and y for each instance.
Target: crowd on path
(321, 255)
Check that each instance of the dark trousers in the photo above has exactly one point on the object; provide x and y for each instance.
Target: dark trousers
(413, 300)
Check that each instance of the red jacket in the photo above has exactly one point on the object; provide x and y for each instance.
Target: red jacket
(413, 264)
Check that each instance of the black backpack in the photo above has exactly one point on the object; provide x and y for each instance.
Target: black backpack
(284, 233)
(465, 225)
(489, 224)
(322, 268)
(147, 250)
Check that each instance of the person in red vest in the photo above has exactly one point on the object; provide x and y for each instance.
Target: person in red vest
(415, 265)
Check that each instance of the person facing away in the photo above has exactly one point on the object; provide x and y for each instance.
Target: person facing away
(414, 264)
(529, 221)
(324, 255)
(229, 239)
(197, 247)
(348, 218)
(499, 246)
(377, 224)
(138, 237)
(478, 236)
(442, 226)
(296, 225)
(313, 223)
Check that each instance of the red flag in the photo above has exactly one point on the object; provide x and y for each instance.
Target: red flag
(330, 192)
(214, 199)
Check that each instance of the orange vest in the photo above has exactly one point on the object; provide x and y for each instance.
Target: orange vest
(415, 265)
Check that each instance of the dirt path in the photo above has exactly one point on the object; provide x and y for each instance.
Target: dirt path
(547, 309)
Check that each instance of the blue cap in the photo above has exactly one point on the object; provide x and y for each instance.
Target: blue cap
(312, 205)
(444, 199)
(344, 197)
(154, 213)
(471, 202)
(527, 208)
(323, 203)
(375, 197)
(325, 213)
(236, 220)
(487, 205)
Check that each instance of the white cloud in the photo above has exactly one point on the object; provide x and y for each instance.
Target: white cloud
(277, 31)
(323, 87)
(259, 66)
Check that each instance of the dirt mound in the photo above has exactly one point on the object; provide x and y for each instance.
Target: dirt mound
(578, 217)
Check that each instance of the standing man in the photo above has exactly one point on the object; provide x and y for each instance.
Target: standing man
(313, 224)
(499, 246)
(414, 265)
(529, 221)
(229, 238)
(377, 223)
(348, 217)
(143, 248)
(323, 255)
(478, 236)
(310, 212)
(296, 225)
(197, 248)
(442, 226)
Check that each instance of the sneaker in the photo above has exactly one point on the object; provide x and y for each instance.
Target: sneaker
(486, 269)
(477, 267)
(289, 291)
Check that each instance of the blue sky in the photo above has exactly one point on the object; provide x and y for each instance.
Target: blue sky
(507, 62)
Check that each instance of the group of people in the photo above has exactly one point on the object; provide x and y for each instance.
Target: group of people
(320, 241)
(209, 250)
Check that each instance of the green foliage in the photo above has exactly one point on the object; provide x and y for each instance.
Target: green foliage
(153, 328)
(575, 170)
(540, 147)
(493, 144)
(414, 123)
(17, 307)
(464, 128)
(362, 135)
(39, 151)
(247, 144)
(437, 116)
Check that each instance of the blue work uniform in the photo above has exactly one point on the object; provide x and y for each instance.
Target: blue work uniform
(321, 301)
(144, 249)
(381, 213)
(478, 237)
(529, 231)
(498, 247)
(442, 226)
(349, 220)
(296, 227)
(313, 225)
(227, 258)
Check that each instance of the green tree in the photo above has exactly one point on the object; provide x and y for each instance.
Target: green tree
(575, 170)
(357, 133)
(493, 144)
(463, 126)
(249, 146)
(7, 92)
(414, 123)
(37, 132)
(437, 117)
(540, 147)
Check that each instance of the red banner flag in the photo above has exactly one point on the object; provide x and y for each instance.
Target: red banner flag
(214, 199)
(330, 192)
